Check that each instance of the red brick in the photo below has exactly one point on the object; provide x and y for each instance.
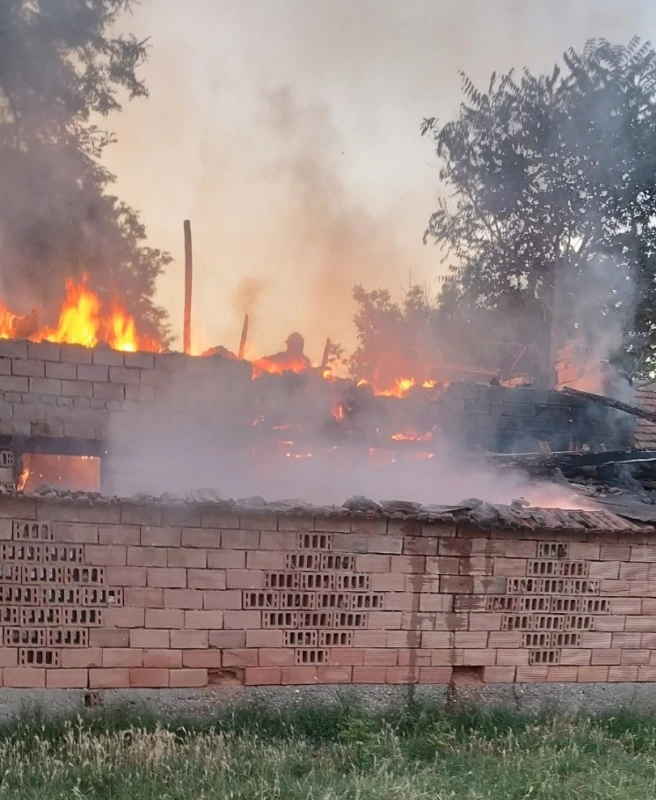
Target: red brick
(634, 658)
(381, 657)
(294, 523)
(149, 638)
(593, 674)
(161, 537)
(499, 674)
(122, 657)
(241, 658)
(599, 640)
(122, 535)
(334, 674)
(647, 673)
(385, 544)
(81, 659)
(254, 522)
(262, 676)
(438, 639)
(349, 543)
(276, 657)
(443, 565)
(485, 622)
(562, 674)
(402, 601)
(242, 579)
(125, 576)
(164, 618)
(520, 548)
(408, 564)
(454, 584)
(643, 553)
(8, 657)
(214, 518)
(435, 674)
(186, 557)
(604, 569)
(187, 678)
(373, 563)
(183, 598)
(228, 559)
(471, 639)
(622, 674)
(66, 678)
(623, 641)
(414, 658)
(584, 551)
(116, 678)
(513, 658)
(377, 638)
(24, 678)
(244, 540)
(347, 656)
(389, 620)
(149, 678)
(144, 598)
(189, 640)
(162, 659)
(531, 674)
(206, 579)
(104, 555)
(644, 624)
(124, 617)
(401, 675)
(201, 659)
(629, 605)
(606, 657)
(403, 639)
(405, 527)
(146, 557)
(440, 603)
(141, 515)
(259, 559)
(510, 567)
(228, 600)
(631, 571)
(258, 638)
(611, 624)
(196, 537)
(479, 658)
(575, 657)
(387, 582)
(373, 675)
(76, 533)
(296, 676)
(210, 620)
(419, 546)
(168, 577)
(242, 619)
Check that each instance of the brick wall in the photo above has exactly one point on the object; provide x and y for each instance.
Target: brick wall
(52, 390)
(118, 595)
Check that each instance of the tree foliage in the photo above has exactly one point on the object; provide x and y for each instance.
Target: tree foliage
(547, 220)
(61, 68)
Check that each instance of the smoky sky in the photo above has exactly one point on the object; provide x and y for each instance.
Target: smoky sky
(288, 132)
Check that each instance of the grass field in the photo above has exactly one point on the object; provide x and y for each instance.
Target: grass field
(326, 754)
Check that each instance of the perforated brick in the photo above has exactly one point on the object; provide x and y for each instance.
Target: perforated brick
(565, 569)
(68, 637)
(87, 576)
(42, 574)
(351, 619)
(316, 619)
(40, 616)
(281, 580)
(335, 638)
(540, 657)
(303, 656)
(338, 561)
(279, 619)
(303, 561)
(30, 657)
(25, 637)
(539, 604)
(93, 617)
(552, 550)
(579, 622)
(92, 596)
(503, 604)
(353, 583)
(60, 595)
(298, 600)
(300, 639)
(317, 581)
(21, 595)
(362, 602)
(34, 531)
(315, 541)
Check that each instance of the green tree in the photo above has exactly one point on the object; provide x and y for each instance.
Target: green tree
(548, 212)
(61, 67)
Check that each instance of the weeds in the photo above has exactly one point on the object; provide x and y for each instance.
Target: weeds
(329, 754)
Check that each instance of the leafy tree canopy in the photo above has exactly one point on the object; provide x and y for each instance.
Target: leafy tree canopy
(61, 66)
(548, 216)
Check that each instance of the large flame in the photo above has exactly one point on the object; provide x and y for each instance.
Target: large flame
(82, 321)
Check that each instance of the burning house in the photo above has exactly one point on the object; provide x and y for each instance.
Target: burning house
(177, 587)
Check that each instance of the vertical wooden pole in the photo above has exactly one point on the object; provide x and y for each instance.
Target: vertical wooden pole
(326, 355)
(189, 269)
(244, 336)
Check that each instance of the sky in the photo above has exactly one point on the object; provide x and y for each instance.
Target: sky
(287, 131)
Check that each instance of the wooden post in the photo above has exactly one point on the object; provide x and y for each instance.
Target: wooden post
(189, 269)
(326, 355)
(244, 336)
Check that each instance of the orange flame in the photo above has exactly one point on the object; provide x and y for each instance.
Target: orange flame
(401, 387)
(265, 364)
(81, 321)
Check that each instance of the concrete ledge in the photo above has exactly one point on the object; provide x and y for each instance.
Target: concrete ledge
(564, 698)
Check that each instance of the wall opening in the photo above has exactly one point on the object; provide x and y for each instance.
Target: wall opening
(79, 473)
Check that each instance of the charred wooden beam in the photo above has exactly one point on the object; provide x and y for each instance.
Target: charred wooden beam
(189, 268)
(610, 403)
(244, 337)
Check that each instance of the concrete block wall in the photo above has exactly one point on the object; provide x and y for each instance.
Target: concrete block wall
(118, 595)
(506, 419)
(52, 390)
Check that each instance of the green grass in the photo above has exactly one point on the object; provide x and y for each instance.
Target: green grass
(331, 753)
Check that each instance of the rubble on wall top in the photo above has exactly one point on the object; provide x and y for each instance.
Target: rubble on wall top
(476, 513)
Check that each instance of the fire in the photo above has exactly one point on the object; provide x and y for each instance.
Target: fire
(265, 364)
(81, 321)
(412, 437)
(401, 387)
